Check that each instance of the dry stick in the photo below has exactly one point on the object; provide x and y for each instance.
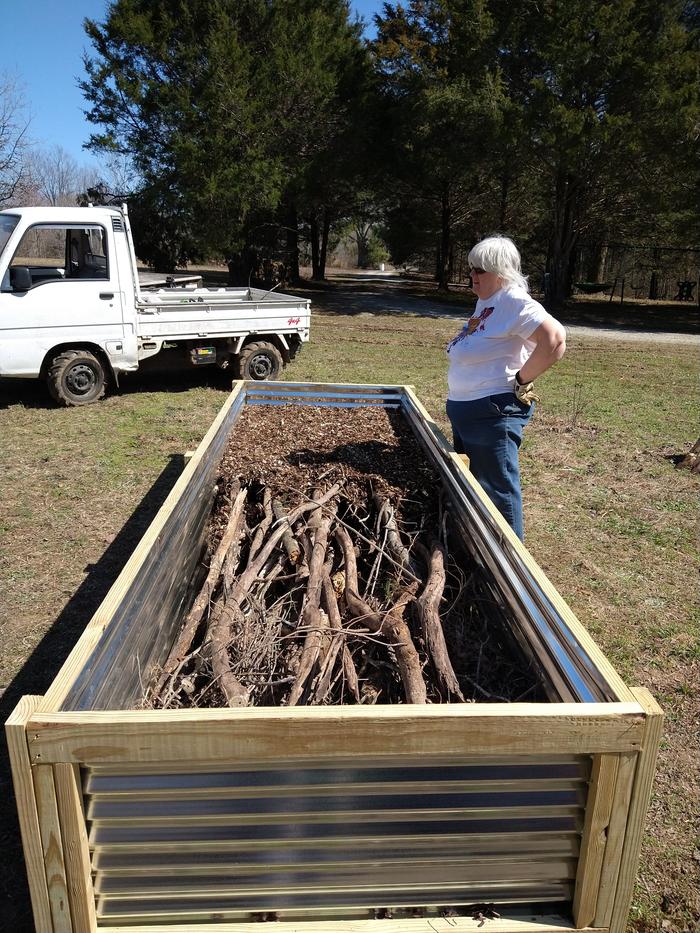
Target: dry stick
(242, 585)
(404, 570)
(167, 696)
(228, 571)
(330, 603)
(387, 520)
(289, 542)
(269, 578)
(373, 575)
(307, 547)
(220, 635)
(393, 626)
(314, 619)
(199, 607)
(231, 614)
(428, 609)
(315, 517)
(263, 525)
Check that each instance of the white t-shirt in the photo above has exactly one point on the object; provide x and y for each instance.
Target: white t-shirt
(493, 344)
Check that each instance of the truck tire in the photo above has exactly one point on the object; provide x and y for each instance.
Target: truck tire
(259, 360)
(76, 377)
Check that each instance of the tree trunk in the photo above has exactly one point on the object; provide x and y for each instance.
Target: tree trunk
(315, 248)
(564, 238)
(445, 241)
(325, 233)
(362, 233)
(293, 243)
(601, 268)
(503, 206)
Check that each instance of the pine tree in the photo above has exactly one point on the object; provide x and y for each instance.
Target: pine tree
(227, 107)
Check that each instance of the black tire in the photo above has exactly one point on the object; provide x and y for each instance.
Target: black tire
(76, 377)
(260, 360)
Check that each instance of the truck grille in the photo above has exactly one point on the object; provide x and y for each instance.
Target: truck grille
(332, 840)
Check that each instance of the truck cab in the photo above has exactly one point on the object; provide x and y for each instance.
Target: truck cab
(72, 310)
(62, 300)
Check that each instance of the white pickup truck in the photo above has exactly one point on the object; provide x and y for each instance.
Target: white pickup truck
(73, 312)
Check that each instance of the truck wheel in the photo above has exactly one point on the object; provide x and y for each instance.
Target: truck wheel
(76, 377)
(261, 360)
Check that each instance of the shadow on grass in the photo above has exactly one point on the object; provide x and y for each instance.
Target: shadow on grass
(41, 668)
(679, 318)
(32, 393)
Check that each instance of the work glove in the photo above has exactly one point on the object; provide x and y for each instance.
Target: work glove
(525, 391)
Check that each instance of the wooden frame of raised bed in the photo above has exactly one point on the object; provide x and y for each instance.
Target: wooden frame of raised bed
(351, 819)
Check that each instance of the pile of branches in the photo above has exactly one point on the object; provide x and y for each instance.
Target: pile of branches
(329, 601)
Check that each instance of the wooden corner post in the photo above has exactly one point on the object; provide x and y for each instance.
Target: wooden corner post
(16, 733)
(639, 803)
(618, 798)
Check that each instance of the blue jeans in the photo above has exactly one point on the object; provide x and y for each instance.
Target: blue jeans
(490, 430)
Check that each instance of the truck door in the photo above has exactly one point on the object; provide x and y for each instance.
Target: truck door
(69, 294)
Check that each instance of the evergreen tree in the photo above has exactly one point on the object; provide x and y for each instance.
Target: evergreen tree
(225, 107)
(437, 64)
(595, 82)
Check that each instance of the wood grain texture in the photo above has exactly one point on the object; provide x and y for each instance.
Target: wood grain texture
(595, 833)
(15, 732)
(327, 732)
(76, 853)
(641, 792)
(50, 827)
(539, 924)
(617, 829)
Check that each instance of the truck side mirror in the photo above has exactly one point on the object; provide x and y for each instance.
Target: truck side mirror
(20, 278)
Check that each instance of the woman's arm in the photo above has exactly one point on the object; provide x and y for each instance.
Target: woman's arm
(550, 338)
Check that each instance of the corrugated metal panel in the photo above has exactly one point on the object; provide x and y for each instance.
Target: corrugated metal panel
(354, 835)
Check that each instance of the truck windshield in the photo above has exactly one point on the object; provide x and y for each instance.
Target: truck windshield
(8, 222)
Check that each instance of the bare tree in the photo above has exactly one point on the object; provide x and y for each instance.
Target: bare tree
(58, 179)
(14, 140)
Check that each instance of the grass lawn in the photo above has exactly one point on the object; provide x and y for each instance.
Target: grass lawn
(608, 517)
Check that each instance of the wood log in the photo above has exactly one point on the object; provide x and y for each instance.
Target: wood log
(289, 542)
(201, 603)
(387, 524)
(428, 611)
(221, 628)
(337, 645)
(392, 625)
(315, 518)
(220, 635)
(689, 460)
(241, 586)
(314, 619)
(263, 526)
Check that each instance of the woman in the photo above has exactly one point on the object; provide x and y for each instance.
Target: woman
(507, 343)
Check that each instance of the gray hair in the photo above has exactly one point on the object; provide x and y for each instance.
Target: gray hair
(499, 254)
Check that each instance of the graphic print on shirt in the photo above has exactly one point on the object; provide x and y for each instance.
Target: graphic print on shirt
(475, 322)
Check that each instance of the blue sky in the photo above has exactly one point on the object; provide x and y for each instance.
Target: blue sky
(43, 45)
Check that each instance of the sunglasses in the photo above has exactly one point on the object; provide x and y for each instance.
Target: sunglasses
(477, 270)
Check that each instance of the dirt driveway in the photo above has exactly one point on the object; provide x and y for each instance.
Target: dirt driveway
(360, 292)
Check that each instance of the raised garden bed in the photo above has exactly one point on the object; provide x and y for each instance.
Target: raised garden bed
(365, 815)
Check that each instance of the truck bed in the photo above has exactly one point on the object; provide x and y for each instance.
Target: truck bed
(203, 312)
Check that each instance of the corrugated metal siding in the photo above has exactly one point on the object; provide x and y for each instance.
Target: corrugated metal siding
(352, 836)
